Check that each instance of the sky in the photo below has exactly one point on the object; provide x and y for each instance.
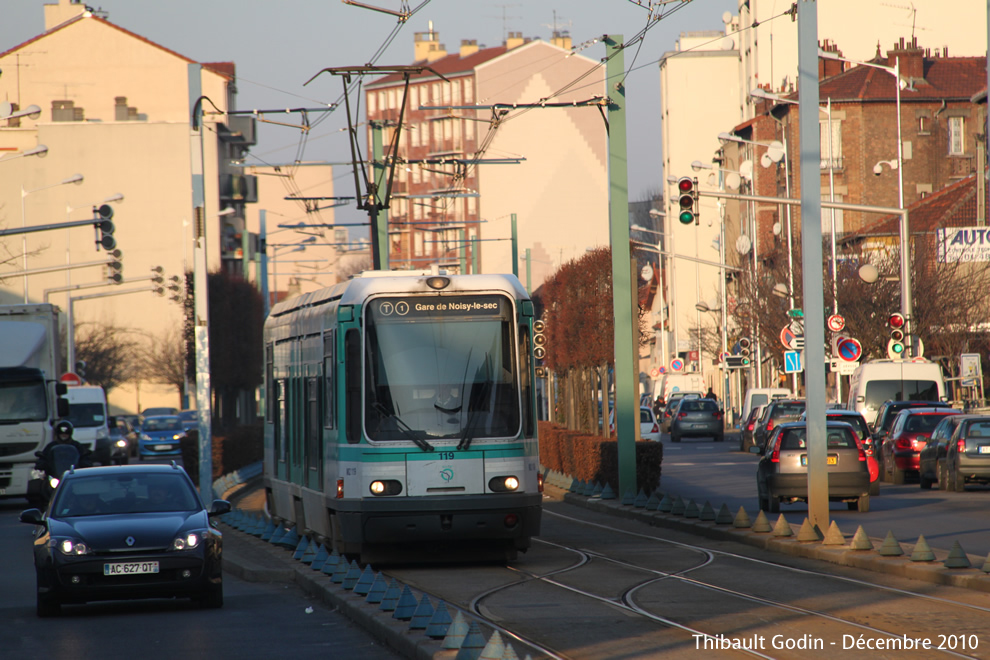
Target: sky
(280, 44)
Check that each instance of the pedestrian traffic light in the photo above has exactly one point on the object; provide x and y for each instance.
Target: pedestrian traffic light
(687, 197)
(895, 345)
(102, 217)
(175, 288)
(539, 340)
(745, 350)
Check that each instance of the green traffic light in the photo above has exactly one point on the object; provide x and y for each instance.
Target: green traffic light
(897, 348)
(686, 217)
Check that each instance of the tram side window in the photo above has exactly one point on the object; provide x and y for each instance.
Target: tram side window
(352, 391)
(328, 380)
(270, 383)
(525, 382)
(313, 431)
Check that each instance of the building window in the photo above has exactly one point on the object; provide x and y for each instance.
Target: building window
(827, 216)
(468, 93)
(372, 106)
(831, 160)
(957, 144)
(417, 244)
(414, 97)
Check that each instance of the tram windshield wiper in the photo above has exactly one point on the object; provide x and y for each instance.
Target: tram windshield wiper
(402, 427)
(479, 393)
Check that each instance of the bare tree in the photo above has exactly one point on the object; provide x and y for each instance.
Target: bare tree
(162, 359)
(108, 352)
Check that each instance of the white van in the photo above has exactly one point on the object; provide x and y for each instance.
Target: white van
(760, 396)
(88, 414)
(877, 381)
(678, 382)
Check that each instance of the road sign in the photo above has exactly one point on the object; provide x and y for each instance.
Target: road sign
(792, 362)
(70, 378)
(677, 364)
(798, 343)
(969, 365)
(796, 313)
(844, 368)
(836, 323)
(797, 327)
(654, 372)
(787, 338)
(849, 349)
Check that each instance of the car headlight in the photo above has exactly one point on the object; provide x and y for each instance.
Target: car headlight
(71, 547)
(121, 443)
(53, 482)
(178, 436)
(146, 437)
(189, 540)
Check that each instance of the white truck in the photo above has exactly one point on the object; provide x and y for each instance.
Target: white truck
(30, 394)
(877, 381)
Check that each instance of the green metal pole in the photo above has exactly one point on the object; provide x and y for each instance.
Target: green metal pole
(462, 250)
(474, 256)
(529, 277)
(515, 248)
(379, 216)
(623, 286)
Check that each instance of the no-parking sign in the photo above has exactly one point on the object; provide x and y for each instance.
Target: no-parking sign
(849, 349)
(677, 364)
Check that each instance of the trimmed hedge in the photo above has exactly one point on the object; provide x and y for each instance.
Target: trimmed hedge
(590, 458)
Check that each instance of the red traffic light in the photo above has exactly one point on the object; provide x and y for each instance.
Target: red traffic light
(895, 320)
(685, 185)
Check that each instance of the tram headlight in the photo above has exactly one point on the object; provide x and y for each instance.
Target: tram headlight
(438, 282)
(506, 484)
(384, 487)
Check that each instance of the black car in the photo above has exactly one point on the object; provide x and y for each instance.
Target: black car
(931, 461)
(125, 532)
(696, 418)
(774, 414)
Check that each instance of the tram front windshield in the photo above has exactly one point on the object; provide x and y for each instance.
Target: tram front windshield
(440, 367)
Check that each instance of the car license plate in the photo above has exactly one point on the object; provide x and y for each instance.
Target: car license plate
(162, 447)
(984, 449)
(829, 460)
(131, 568)
(698, 426)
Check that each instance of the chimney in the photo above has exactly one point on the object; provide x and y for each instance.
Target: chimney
(469, 47)
(826, 67)
(62, 11)
(562, 40)
(912, 59)
(514, 40)
(428, 46)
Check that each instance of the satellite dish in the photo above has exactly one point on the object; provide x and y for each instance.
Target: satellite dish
(766, 161)
(728, 43)
(776, 151)
(746, 169)
(732, 181)
(743, 244)
(7, 108)
(726, 17)
(776, 229)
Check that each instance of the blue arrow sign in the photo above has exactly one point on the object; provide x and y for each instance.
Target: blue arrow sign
(792, 362)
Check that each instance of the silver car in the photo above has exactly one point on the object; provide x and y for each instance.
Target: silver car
(967, 456)
(782, 474)
(696, 418)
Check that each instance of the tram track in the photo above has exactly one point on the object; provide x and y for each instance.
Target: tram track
(718, 572)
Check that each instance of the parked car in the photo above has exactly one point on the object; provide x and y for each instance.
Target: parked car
(123, 439)
(782, 474)
(776, 412)
(155, 412)
(931, 460)
(190, 419)
(862, 429)
(888, 411)
(161, 437)
(697, 418)
(967, 459)
(746, 439)
(668, 409)
(124, 532)
(900, 449)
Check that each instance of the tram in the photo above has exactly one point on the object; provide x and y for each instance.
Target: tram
(400, 417)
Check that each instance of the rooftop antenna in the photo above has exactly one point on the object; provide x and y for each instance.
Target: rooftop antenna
(505, 19)
(557, 28)
(914, 15)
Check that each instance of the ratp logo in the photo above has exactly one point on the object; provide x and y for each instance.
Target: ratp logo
(447, 474)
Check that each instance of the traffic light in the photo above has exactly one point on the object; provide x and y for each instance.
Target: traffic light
(103, 216)
(539, 340)
(174, 288)
(114, 266)
(687, 197)
(895, 346)
(158, 278)
(745, 350)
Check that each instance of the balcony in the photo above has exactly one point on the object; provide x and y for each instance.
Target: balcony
(833, 163)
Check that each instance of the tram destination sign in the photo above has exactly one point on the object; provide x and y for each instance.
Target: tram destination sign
(436, 307)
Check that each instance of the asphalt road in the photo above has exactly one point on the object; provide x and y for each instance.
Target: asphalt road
(258, 620)
(702, 470)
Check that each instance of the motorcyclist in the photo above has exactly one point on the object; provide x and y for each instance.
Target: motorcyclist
(62, 436)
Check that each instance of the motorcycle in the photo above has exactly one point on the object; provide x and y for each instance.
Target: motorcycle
(44, 481)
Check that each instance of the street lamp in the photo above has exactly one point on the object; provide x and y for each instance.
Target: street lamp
(7, 111)
(40, 151)
(76, 179)
(906, 302)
